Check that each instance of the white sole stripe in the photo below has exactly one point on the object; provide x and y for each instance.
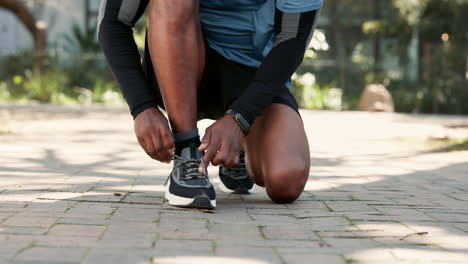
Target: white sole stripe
(180, 201)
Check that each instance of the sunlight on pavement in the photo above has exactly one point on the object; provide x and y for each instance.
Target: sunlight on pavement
(81, 190)
(413, 255)
(207, 260)
(430, 243)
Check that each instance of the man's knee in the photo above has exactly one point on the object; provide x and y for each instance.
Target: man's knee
(285, 185)
(257, 178)
(175, 14)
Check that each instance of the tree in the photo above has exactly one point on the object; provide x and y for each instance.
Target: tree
(438, 26)
(38, 29)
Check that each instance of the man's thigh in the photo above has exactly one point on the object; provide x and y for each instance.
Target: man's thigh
(276, 145)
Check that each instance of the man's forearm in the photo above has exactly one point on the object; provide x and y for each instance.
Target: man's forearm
(116, 38)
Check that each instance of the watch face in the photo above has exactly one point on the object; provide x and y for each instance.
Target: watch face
(242, 122)
(244, 125)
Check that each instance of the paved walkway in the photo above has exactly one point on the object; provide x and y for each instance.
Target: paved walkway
(76, 188)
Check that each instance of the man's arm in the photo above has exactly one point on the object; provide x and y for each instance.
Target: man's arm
(294, 31)
(115, 33)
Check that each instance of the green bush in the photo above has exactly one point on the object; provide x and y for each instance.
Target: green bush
(105, 92)
(311, 96)
(45, 87)
(15, 64)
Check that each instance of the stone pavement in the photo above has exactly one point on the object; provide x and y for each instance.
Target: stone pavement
(76, 188)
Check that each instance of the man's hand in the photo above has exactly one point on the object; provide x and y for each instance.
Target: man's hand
(222, 143)
(154, 135)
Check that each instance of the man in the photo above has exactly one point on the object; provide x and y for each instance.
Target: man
(229, 60)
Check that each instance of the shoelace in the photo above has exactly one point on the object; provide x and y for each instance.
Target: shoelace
(192, 167)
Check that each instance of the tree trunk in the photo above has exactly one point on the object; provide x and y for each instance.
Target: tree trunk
(37, 29)
(377, 38)
(336, 33)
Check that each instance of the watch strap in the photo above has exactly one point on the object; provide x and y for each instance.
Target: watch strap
(241, 121)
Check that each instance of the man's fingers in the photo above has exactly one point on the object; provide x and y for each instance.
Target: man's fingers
(236, 160)
(230, 160)
(222, 157)
(207, 158)
(150, 148)
(168, 146)
(227, 156)
(157, 145)
(205, 141)
(168, 141)
(209, 155)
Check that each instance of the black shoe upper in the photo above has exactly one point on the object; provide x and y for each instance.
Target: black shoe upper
(236, 177)
(185, 179)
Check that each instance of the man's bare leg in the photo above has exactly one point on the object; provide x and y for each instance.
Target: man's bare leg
(278, 153)
(178, 55)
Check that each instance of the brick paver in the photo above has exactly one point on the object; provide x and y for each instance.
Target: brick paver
(76, 188)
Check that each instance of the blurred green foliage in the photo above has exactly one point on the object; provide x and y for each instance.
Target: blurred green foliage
(417, 48)
(69, 77)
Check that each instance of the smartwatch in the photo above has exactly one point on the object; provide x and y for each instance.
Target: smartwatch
(244, 125)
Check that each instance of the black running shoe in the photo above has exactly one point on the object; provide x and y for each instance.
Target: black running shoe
(235, 179)
(186, 187)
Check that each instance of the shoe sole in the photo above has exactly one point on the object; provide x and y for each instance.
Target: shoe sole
(236, 191)
(199, 202)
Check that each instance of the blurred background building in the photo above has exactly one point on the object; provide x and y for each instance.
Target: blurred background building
(59, 16)
(413, 53)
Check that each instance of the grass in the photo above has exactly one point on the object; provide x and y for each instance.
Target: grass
(432, 144)
(447, 144)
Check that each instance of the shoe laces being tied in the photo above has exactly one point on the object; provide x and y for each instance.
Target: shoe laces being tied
(191, 166)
